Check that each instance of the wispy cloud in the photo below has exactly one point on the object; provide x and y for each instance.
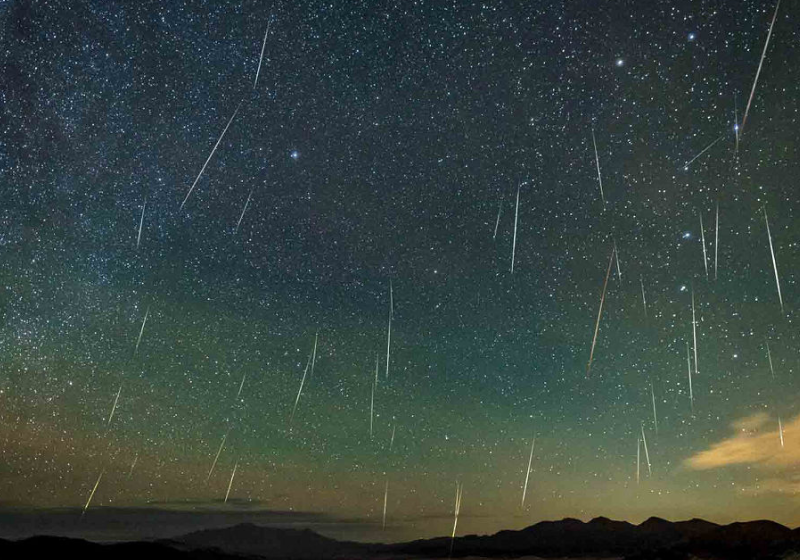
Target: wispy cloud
(788, 485)
(756, 441)
(217, 504)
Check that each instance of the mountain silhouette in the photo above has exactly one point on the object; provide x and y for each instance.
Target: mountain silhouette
(267, 542)
(61, 547)
(600, 538)
(653, 539)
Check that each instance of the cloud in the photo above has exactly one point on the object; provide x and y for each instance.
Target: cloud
(756, 441)
(217, 504)
(752, 423)
(786, 486)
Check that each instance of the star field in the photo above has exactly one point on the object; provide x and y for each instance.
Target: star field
(386, 143)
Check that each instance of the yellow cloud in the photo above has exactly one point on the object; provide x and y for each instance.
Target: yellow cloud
(756, 441)
(789, 486)
(752, 423)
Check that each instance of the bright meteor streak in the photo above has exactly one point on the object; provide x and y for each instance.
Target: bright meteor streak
(516, 219)
(760, 64)
(528, 473)
(774, 263)
(599, 314)
(211, 154)
(263, 45)
(688, 163)
(597, 162)
(89, 501)
(141, 331)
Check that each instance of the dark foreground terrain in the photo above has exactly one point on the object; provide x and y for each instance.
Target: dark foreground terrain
(601, 538)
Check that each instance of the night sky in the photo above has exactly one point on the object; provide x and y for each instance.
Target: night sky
(374, 153)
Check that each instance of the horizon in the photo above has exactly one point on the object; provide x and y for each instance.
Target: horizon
(112, 524)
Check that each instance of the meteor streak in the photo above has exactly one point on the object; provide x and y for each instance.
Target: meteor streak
(599, 314)
(141, 222)
(644, 301)
(459, 488)
(769, 357)
(694, 333)
(689, 368)
(241, 385)
(214, 464)
(736, 123)
(211, 154)
(703, 240)
(655, 416)
(113, 408)
(231, 482)
(688, 163)
(497, 222)
(141, 331)
(528, 473)
(385, 502)
(300, 390)
(89, 501)
(516, 218)
(243, 210)
(597, 162)
(264, 44)
(760, 63)
(774, 264)
(314, 354)
(646, 454)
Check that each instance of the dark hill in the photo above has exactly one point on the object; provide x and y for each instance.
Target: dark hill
(60, 547)
(601, 537)
(654, 539)
(267, 542)
(754, 539)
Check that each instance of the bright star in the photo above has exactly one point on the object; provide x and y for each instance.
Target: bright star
(620, 62)
(687, 235)
(294, 154)
(692, 36)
